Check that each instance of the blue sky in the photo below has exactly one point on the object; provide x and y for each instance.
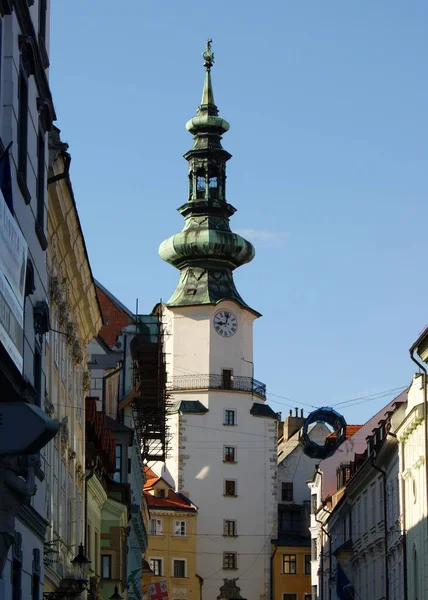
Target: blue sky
(327, 104)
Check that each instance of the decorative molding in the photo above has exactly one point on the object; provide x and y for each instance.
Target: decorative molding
(44, 111)
(34, 521)
(27, 28)
(26, 49)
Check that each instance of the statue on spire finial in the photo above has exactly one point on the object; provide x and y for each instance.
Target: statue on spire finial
(208, 56)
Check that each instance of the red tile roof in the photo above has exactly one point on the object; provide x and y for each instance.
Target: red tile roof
(350, 430)
(151, 478)
(173, 502)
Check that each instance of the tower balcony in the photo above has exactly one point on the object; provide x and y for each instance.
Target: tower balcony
(217, 382)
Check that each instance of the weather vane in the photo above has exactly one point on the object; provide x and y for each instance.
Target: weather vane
(208, 56)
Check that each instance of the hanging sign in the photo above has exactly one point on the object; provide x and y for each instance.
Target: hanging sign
(13, 263)
(158, 591)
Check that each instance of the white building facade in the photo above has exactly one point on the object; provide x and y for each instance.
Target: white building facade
(412, 443)
(223, 450)
(26, 114)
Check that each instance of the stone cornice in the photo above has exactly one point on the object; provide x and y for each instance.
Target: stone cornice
(159, 512)
(412, 420)
(66, 239)
(96, 491)
(116, 509)
(34, 521)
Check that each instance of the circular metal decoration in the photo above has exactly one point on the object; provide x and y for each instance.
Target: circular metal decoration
(329, 417)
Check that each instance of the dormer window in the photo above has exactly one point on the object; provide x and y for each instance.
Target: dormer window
(160, 493)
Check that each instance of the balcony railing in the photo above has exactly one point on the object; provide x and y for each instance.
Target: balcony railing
(218, 382)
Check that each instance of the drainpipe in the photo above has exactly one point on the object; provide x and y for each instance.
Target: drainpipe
(329, 556)
(321, 567)
(322, 557)
(385, 520)
(125, 338)
(271, 573)
(403, 528)
(414, 351)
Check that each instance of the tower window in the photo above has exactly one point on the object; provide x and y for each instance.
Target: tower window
(213, 186)
(229, 528)
(200, 185)
(227, 379)
(229, 417)
(230, 487)
(229, 560)
(229, 454)
(190, 184)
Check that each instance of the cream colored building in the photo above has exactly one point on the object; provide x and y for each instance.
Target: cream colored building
(75, 319)
(412, 435)
(171, 553)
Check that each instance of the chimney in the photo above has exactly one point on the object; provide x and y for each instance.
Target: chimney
(293, 424)
(301, 413)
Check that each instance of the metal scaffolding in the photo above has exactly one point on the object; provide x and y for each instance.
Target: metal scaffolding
(151, 402)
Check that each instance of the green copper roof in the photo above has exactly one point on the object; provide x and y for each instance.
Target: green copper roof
(189, 407)
(263, 410)
(206, 251)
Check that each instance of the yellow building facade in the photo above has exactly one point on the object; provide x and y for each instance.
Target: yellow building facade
(74, 319)
(171, 552)
(291, 571)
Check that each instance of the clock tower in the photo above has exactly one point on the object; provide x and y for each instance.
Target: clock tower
(223, 448)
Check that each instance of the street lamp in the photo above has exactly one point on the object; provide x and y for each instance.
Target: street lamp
(116, 595)
(71, 587)
(81, 566)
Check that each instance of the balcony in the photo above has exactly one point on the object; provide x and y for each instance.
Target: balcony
(218, 382)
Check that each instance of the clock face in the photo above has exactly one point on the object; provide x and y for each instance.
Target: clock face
(225, 323)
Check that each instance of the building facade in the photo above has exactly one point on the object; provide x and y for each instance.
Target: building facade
(112, 388)
(412, 436)
(75, 319)
(291, 551)
(26, 115)
(171, 553)
(359, 546)
(220, 422)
